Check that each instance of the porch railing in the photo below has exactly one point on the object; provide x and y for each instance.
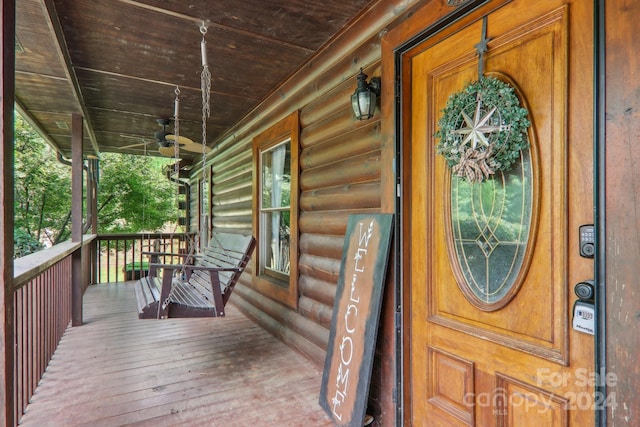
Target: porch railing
(42, 312)
(120, 257)
(42, 297)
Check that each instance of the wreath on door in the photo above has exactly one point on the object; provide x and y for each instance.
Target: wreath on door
(482, 130)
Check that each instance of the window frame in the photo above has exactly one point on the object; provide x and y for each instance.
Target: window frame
(269, 284)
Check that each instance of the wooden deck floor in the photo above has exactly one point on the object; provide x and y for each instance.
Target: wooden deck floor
(117, 370)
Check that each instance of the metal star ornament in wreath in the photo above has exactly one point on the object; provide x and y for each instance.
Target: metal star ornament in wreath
(477, 128)
(482, 130)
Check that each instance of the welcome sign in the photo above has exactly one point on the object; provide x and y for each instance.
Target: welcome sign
(356, 311)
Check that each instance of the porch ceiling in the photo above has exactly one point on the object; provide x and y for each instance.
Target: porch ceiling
(118, 63)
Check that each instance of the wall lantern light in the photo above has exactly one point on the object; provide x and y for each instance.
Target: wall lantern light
(363, 99)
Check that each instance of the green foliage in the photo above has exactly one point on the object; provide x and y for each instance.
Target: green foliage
(510, 117)
(42, 187)
(24, 243)
(134, 194)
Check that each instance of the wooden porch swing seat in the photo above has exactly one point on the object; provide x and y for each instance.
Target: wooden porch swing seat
(200, 289)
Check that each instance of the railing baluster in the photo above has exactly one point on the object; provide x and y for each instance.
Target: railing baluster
(130, 248)
(17, 301)
(108, 261)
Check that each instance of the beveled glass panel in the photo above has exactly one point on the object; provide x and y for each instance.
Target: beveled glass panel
(491, 223)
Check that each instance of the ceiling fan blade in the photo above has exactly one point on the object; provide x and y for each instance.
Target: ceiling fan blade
(167, 151)
(182, 140)
(136, 145)
(195, 148)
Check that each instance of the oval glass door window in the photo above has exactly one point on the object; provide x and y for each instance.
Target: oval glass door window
(490, 228)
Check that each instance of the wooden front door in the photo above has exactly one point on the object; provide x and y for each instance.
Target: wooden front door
(491, 266)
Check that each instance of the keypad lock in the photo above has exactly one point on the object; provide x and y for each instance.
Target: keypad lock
(587, 241)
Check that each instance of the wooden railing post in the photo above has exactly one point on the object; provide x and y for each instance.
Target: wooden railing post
(76, 218)
(7, 94)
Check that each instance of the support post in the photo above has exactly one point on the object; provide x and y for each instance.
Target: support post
(94, 170)
(92, 206)
(7, 96)
(76, 218)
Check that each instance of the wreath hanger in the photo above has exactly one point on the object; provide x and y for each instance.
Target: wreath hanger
(481, 47)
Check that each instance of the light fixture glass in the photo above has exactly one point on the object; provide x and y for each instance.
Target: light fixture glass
(363, 100)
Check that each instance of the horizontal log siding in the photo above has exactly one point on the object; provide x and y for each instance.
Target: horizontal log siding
(322, 245)
(318, 291)
(358, 141)
(232, 192)
(320, 268)
(328, 222)
(339, 176)
(340, 173)
(193, 207)
(347, 196)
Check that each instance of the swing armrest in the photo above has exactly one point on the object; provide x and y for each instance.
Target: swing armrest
(191, 268)
(169, 266)
(205, 268)
(154, 258)
(170, 254)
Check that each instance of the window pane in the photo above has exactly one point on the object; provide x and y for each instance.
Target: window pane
(276, 229)
(276, 176)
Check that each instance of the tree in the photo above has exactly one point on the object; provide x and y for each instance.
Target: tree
(134, 194)
(42, 190)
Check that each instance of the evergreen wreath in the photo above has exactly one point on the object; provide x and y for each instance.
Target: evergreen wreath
(482, 130)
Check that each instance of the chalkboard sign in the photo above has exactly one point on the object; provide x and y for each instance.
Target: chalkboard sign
(354, 327)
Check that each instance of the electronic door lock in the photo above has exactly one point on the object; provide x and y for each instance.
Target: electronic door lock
(584, 311)
(587, 241)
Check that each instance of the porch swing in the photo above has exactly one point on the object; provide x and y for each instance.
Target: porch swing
(201, 288)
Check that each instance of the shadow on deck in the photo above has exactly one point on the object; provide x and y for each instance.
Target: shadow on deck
(118, 370)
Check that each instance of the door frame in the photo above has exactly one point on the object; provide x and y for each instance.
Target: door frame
(425, 22)
(599, 200)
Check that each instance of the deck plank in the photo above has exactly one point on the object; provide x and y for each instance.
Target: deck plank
(118, 370)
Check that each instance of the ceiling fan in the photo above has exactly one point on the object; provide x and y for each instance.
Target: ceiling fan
(166, 141)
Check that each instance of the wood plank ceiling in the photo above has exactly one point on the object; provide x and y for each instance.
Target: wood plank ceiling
(118, 62)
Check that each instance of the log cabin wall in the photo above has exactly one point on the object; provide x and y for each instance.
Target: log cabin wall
(340, 171)
(193, 207)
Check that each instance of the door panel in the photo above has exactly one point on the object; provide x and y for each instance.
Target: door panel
(526, 322)
(488, 363)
